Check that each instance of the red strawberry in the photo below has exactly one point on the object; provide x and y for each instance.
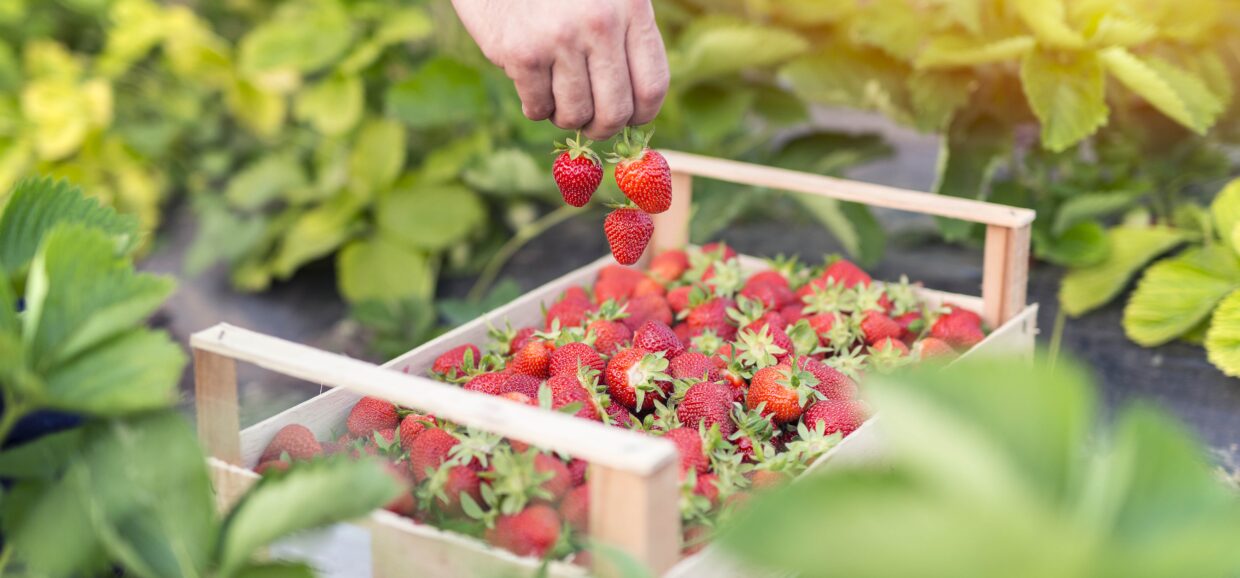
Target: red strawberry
(609, 335)
(578, 468)
(693, 365)
(689, 446)
(683, 332)
(678, 298)
(429, 451)
(822, 324)
(271, 466)
(569, 313)
(533, 359)
(728, 253)
(488, 383)
(707, 403)
(628, 232)
(696, 537)
(526, 385)
(836, 415)
(371, 414)
(669, 265)
(713, 315)
(906, 322)
(845, 272)
(530, 532)
(575, 293)
(636, 369)
(565, 390)
(451, 363)
(958, 310)
(932, 347)
(643, 175)
(577, 172)
(763, 479)
(792, 312)
(575, 509)
(616, 283)
(781, 389)
(294, 439)
(657, 336)
(831, 383)
(890, 343)
(644, 308)
(772, 296)
(620, 416)
(566, 359)
(768, 277)
(876, 326)
(561, 480)
(404, 503)
(960, 328)
(461, 480)
(411, 426)
(707, 488)
(649, 286)
(523, 336)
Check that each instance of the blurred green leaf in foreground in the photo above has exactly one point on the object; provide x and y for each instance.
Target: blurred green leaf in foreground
(997, 469)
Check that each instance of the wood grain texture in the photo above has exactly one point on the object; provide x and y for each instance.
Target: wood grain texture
(638, 514)
(215, 400)
(671, 227)
(229, 482)
(1005, 273)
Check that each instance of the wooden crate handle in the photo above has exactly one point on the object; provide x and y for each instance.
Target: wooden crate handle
(1006, 262)
(634, 477)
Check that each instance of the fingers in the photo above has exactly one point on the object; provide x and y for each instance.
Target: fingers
(570, 83)
(647, 60)
(533, 83)
(613, 94)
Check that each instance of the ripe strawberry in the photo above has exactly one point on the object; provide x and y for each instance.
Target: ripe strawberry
(578, 467)
(429, 451)
(678, 298)
(725, 252)
(958, 310)
(533, 359)
(411, 426)
(707, 488)
(530, 532)
(689, 446)
(771, 295)
(271, 467)
(822, 324)
(683, 332)
(565, 360)
(669, 265)
(575, 293)
(575, 509)
(628, 232)
(763, 479)
(907, 321)
(569, 313)
(836, 415)
(461, 480)
(643, 174)
(713, 315)
(637, 373)
(783, 390)
(561, 479)
(616, 283)
(832, 384)
(960, 328)
(523, 336)
(577, 171)
(890, 343)
(693, 365)
(656, 336)
(371, 414)
(767, 277)
(608, 335)
(295, 439)
(620, 416)
(933, 347)
(488, 383)
(707, 403)
(452, 362)
(792, 312)
(565, 390)
(845, 272)
(646, 308)
(526, 385)
(649, 286)
(696, 537)
(404, 503)
(876, 327)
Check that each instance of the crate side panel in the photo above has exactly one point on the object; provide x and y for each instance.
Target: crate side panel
(324, 414)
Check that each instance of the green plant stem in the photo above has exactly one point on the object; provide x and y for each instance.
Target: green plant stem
(1061, 319)
(524, 235)
(5, 554)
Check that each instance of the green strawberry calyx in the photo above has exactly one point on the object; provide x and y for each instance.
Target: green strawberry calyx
(577, 148)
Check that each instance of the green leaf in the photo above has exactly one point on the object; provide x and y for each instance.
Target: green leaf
(280, 506)
(432, 217)
(1090, 205)
(1048, 20)
(258, 109)
(448, 161)
(715, 111)
(1067, 93)
(461, 311)
(718, 48)
(378, 157)
(264, 181)
(333, 106)
(81, 294)
(1174, 91)
(408, 24)
(508, 172)
(9, 322)
(1223, 337)
(716, 205)
(302, 36)
(1176, 294)
(777, 106)
(222, 236)
(443, 92)
(810, 12)
(136, 371)
(971, 151)
(842, 74)
(1081, 245)
(890, 26)
(380, 269)
(1226, 212)
(831, 153)
(852, 224)
(276, 570)
(937, 95)
(1084, 290)
(951, 51)
(44, 458)
(37, 205)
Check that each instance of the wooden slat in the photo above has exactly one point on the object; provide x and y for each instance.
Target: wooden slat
(229, 482)
(638, 514)
(671, 227)
(1005, 272)
(215, 397)
(846, 190)
(592, 441)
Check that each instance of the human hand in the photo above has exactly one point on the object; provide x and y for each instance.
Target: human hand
(597, 66)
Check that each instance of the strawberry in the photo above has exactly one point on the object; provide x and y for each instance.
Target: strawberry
(763, 479)
(891, 344)
(689, 446)
(462, 480)
(960, 328)
(845, 272)
(933, 347)
(822, 324)
(569, 313)
(693, 365)
(530, 532)
(609, 335)
(696, 537)
(792, 312)
(294, 439)
(669, 265)
(646, 308)
(656, 336)
(578, 467)
(575, 509)
(768, 277)
(526, 385)
(635, 378)
(724, 252)
(411, 426)
(271, 467)
(429, 451)
(566, 360)
(565, 390)
(522, 337)
(683, 332)
(909, 322)
(876, 327)
(371, 414)
(649, 286)
(678, 298)
(533, 359)
(620, 416)
(488, 383)
(452, 362)
(771, 295)
(642, 174)
(628, 232)
(575, 293)
(713, 314)
(577, 171)
(783, 390)
(832, 384)
(616, 283)
(843, 416)
(404, 503)
(707, 487)
(709, 404)
(561, 479)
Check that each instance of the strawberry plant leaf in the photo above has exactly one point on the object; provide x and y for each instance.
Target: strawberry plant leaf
(1223, 337)
(1086, 289)
(43, 458)
(1225, 209)
(1081, 245)
(380, 269)
(133, 372)
(1177, 293)
(958, 50)
(277, 570)
(1090, 205)
(1175, 92)
(277, 507)
(969, 154)
(317, 232)
(264, 181)
(377, 158)
(1066, 92)
(333, 106)
(430, 218)
(301, 37)
(443, 92)
(712, 48)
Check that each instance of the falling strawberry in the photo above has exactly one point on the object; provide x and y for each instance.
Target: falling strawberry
(628, 232)
(641, 173)
(577, 171)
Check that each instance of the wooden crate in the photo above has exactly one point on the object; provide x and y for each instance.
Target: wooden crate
(633, 477)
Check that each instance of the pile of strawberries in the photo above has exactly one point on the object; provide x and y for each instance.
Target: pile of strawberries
(752, 377)
(642, 175)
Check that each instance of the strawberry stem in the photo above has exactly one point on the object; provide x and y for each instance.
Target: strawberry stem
(523, 235)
